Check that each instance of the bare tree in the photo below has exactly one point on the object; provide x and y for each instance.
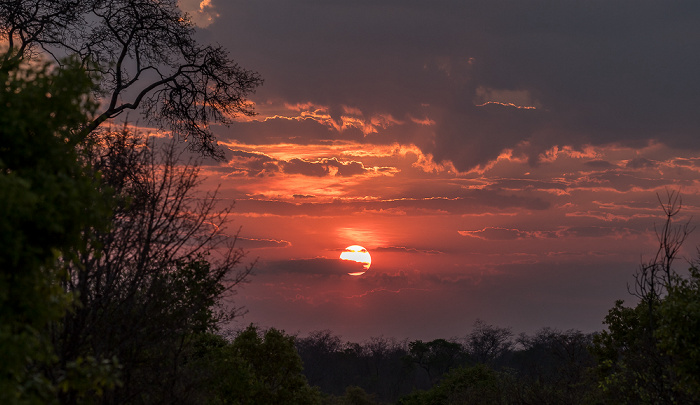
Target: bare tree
(158, 277)
(487, 343)
(654, 277)
(146, 58)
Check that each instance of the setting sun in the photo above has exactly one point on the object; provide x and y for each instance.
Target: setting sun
(357, 254)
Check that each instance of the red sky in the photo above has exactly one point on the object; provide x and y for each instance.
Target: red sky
(499, 160)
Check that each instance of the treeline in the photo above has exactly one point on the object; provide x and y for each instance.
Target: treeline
(550, 366)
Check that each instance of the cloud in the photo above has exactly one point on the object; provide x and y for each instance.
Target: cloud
(471, 201)
(254, 243)
(324, 167)
(617, 72)
(599, 164)
(255, 164)
(498, 233)
(642, 163)
(314, 266)
(200, 11)
(405, 249)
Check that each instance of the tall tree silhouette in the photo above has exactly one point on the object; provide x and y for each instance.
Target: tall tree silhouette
(155, 280)
(145, 56)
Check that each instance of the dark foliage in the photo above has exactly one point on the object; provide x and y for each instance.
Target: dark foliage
(153, 281)
(46, 198)
(550, 367)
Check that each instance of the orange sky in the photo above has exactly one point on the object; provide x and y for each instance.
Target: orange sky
(499, 161)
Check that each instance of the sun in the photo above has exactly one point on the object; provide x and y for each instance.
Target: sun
(357, 254)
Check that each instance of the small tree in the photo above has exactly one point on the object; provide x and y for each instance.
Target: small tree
(633, 365)
(477, 384)
(436, 357)
(275, 370)
(487, 343)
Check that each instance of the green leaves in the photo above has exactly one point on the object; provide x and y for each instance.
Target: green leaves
(679, 332)
(47, 198)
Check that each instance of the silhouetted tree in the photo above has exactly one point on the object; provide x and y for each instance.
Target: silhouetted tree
(552, 367)
(632, 365)
(47, 196)
(145, 56)
(436, 357)
(476, 385)
(156, 279)
(274, 368)
(487, 343)
(322, 351)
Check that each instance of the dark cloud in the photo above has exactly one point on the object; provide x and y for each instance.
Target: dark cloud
(597, 72)
(323, 167)
(599, 164)
(405, 249)
(597, 231)
(528, 184)
(251, 164)
(687, 162)
(625, 181)
(254, 164)
(496, 233)
(252, 243)
(301, 166)
(642, 163)
(284, 130)
(314, 266)
(481, 200)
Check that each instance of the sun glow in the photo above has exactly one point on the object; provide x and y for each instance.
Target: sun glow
(357, 254)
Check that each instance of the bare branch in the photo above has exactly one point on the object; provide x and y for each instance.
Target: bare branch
(146, 57)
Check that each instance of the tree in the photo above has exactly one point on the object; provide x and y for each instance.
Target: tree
(553, 367)
(634, 364)
(679, 333)
(477, 384)
(47, 197)
(487, 343)
(156, 279)
(436, 357)
(145, 56)
(275, 370)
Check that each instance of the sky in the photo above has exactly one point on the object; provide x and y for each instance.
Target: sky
(500, 160)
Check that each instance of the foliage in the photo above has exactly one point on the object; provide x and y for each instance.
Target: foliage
(477, 384)
(147, 287)
(354, 395)
(47, 197)
(679, 332)
(436, 357)
(273, 368)
(641, 357)
(488, 343)
(377, 365)
(552, 367)
(146, 57)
